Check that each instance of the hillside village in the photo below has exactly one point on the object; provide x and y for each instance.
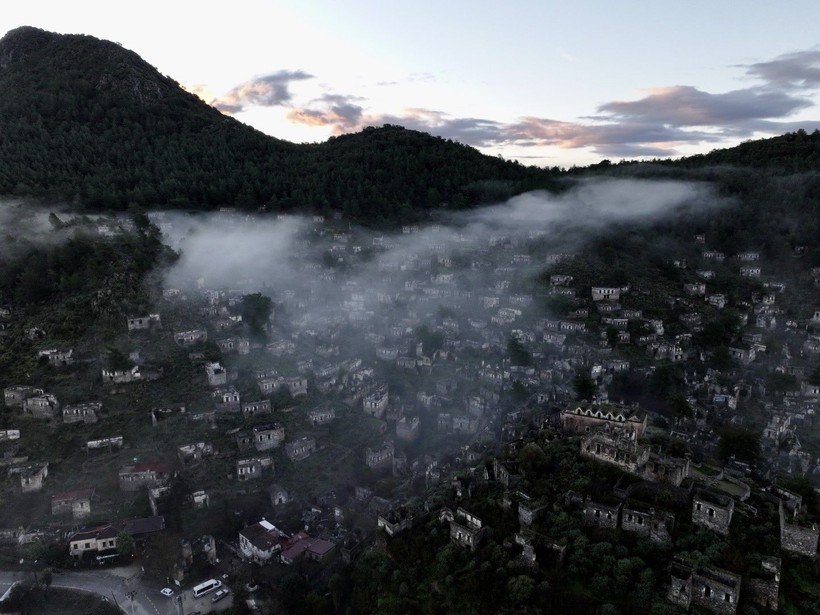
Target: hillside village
(304, 437)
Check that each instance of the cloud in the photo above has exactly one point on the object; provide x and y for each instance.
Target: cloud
(798, 70)
(266, 91)
(334, 110)
(654, 125)
(610, 139)
(688, 106)
(275, 254)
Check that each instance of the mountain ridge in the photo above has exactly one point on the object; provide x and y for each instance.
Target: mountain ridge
(88, 122)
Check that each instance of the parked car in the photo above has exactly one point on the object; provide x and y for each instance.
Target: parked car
(220, 594)
(167, 591)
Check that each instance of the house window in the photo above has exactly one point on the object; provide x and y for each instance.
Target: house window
(697, 506)
(711, 512)
(87, 545)
(640, 520)
(597, 513)
(707, 591)
(727, 597)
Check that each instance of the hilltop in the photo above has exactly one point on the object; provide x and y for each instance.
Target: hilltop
(89, 122)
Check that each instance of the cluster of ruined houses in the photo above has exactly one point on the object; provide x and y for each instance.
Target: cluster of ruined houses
(611, 434)
(491, 315)
(560, 347)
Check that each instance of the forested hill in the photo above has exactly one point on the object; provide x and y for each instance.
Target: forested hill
(86, 121)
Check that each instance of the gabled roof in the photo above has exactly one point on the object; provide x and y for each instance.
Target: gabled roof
(144, 525)
(101, 532)
(70, 496)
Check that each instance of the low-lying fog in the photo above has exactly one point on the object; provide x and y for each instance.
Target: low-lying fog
(331, 269)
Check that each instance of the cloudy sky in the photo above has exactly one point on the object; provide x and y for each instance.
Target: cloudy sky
(539, 81)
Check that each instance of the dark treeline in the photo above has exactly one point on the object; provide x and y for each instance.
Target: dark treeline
(88, 122)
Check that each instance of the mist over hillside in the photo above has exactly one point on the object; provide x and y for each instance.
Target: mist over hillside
(347, 273)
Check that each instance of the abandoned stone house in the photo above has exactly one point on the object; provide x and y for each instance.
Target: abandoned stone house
(165, 412)
(296, 385)
(82, 413)
(560, 279)
(14, 396)
(797, 536)
(647, 521)
(6, 435)
(244, 439)
(148, 474)
(602, 512)
(110, 444)
(748, 256)
(619, 449)
(191, 454)
(664, 469)
(605, 293)
(584, 417)
(380, 457)
(32, 476)
(278, 495)
(395, 521)
(268, 436)
(43, 406)
(321, 415)
(743, 353)
(505, 472)
(810, 389)
(253, 467)
(530, 510)
(663, 351)
(251, 408)
(122, 376)
(466, 529)
(408, 429)
(717, 300)
(537, 549)
(190, 338)
(240, 345)
(217, 375)
(301, 448)
(712, 510)
(374, 402)
(281, 347)
(143, 323)
(199, 500)
(463, 423)
(713, 255)
(58, 358)
(77, 502)
(227, 399)
(711, 588)
(695, 289)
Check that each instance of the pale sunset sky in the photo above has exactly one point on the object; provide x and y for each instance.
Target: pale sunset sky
(546, 83)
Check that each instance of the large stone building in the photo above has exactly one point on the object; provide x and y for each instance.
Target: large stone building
(583, 418)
